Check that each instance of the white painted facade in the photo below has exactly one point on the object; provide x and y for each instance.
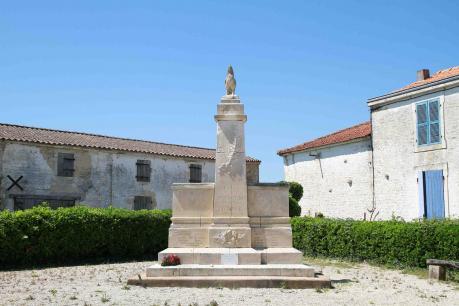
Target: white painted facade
(101, 177)
(398, 160)
(386, 168)
(337, 180)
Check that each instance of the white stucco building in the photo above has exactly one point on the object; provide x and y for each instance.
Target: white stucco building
(403, 163)
(64, 168)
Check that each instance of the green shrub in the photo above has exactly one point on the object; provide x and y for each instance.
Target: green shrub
(294, 209)
(296, 190)
(384, 242)
(42, 236)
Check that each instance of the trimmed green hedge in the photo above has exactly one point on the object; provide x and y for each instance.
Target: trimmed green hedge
(42, 236)
(384, 242)
(296, 190)
(294, 209)
(295, 193)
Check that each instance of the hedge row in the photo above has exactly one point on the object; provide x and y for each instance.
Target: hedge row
(42, 236)
(384, 242)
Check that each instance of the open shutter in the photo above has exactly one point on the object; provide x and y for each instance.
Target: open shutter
(422, 123)
(434, 121)
(421, 203)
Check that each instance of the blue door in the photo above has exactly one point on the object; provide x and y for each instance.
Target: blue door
(433, 194)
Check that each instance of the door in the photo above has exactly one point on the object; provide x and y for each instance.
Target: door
(434, 202)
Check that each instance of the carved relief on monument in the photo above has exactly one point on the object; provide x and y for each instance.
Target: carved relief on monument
(229, 238)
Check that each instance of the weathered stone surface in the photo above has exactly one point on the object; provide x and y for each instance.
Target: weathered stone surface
(437, 272)
(230, 237)
(281, 256)
(318, 281)
(295, 270)
(203, 256)
(230, 171)
(267, 201)
(230, 82)
(224, 236)
(272, 237)
(234, 107)
(101, 177)
(192, 200)
(188, 237)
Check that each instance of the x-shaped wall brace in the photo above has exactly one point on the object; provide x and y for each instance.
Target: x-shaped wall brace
(15, 183)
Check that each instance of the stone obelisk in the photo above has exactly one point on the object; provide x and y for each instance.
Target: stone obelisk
(227, 233)
(231, 221)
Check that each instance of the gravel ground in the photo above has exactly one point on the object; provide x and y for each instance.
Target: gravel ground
(358, 284)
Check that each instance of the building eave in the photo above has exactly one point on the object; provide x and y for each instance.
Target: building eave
(414, 92)
(328, 146)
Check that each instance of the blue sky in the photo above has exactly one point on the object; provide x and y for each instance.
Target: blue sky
(154, 70)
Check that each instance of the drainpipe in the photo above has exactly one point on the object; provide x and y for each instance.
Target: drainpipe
(372, 159)
(317, 156)
(111, 180)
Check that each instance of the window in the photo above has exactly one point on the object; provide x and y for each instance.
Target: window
(141, 202)
(65, 164)
(143, 170)
(428, 122)
(195, 173)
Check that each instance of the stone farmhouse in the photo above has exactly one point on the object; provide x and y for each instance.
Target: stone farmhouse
(64, 168)
(404, 162)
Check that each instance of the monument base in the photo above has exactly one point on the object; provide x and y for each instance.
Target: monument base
(232, 276)
(234, 256)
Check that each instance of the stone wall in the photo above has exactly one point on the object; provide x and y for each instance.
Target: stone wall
(398, 161)
(337, 180)
(252, 173)
(101, 177)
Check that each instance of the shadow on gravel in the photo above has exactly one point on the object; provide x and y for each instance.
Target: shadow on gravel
(343, 281)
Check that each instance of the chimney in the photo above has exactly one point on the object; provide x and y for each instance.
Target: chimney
(422, 74)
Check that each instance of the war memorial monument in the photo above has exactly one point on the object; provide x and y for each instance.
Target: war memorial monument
(228, 233)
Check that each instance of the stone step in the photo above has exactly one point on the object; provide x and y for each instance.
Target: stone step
(281, 256)
(318, 281)
(242, 256)
(294, 270)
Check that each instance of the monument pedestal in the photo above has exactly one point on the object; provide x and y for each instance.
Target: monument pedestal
(227, 233)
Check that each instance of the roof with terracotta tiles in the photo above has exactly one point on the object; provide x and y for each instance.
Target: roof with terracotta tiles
(437, 76)
(65, 138)
(355, 132)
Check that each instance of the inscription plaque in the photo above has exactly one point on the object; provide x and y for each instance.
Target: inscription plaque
(229, 259)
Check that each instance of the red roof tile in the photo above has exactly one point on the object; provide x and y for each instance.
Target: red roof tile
(355, 132)
(55, 137)
(437, 76)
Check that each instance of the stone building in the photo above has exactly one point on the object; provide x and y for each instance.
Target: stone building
(335, 172)
(64, 168)
(403, 163)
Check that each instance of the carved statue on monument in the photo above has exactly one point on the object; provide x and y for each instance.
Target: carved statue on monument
(230, 82)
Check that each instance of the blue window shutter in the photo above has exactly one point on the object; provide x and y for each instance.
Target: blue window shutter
(422, 124)
(422, 113)
(422, 134)
(435, 202)
(421, 194)
(434, 121)
(433, 111)
(428, 122)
